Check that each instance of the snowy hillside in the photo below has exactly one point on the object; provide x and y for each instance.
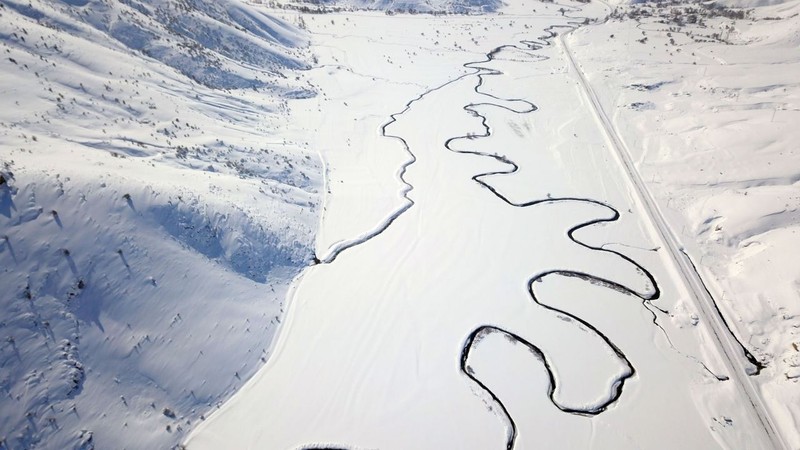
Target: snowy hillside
(150, 218)
(328, 223)
(483, 298)
(390, 6)
(426, 6)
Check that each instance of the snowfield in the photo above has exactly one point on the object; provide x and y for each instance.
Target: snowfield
(347, 225)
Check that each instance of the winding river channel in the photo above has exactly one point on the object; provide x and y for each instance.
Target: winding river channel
(510, 299)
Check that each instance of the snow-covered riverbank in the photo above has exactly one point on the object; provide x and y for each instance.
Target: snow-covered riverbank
(526, 303)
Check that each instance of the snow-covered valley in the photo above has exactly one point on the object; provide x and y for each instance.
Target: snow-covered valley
(372, 350)
(372, 230)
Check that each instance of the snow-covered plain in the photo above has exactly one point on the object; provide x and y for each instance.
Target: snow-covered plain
(151, 220)
(465, 301)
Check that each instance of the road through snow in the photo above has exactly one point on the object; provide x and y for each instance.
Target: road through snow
(733, 350)
(494, 308)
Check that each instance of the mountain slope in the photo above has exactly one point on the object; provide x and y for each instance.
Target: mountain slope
(150, 220)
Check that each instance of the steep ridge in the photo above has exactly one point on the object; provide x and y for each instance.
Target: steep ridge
(151, 219)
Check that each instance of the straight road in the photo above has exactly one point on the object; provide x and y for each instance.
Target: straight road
(731, 349)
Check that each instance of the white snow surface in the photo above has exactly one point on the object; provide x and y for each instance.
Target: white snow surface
(151, 220)
(390, 7)
(164, 169)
